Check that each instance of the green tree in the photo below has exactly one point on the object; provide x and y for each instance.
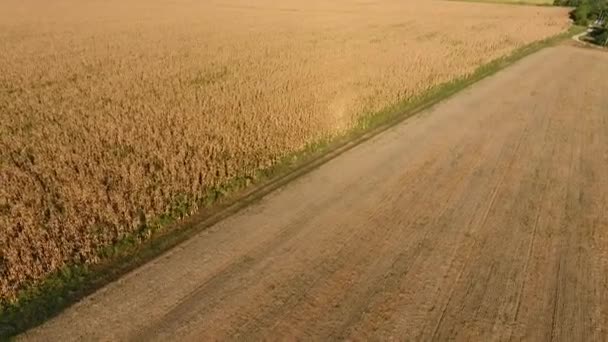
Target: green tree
(581, 13)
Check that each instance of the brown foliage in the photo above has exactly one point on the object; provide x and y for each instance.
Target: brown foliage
(109, 110)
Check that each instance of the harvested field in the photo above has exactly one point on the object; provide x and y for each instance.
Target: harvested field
(482, 219)
(115, 112)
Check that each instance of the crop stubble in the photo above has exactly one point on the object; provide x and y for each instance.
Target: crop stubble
(111, 111)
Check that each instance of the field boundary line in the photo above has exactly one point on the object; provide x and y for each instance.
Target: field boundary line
(47, 300)
(506, 2)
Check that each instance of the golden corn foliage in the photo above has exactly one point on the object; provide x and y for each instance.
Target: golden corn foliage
(110, 110)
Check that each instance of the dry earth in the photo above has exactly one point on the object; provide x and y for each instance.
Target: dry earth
(483, 218)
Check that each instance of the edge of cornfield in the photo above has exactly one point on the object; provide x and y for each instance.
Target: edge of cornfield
(39, 303)
(507, 2)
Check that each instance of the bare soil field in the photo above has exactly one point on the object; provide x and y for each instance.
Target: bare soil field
(483, 218)
(113, 113)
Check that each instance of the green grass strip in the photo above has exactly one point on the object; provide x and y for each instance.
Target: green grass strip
(541, 3)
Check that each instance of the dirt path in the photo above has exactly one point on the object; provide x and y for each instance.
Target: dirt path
(483, 218)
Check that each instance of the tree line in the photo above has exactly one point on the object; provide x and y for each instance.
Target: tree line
(592, 13)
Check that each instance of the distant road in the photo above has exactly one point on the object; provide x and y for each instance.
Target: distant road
(577, 37)
(485, 217)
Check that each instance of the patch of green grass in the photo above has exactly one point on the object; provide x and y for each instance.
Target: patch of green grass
(39, 303)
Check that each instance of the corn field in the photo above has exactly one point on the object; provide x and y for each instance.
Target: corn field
(110, 111)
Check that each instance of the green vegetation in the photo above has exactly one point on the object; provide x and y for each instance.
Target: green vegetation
(599, 36)
(516, 2)
(593, 13)
(68, 285)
